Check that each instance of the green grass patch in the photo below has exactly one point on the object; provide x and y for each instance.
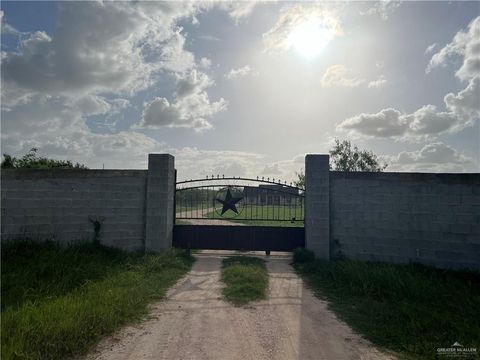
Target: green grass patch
(276, 215)
(59, 301)
(409, 309)
(246, 279)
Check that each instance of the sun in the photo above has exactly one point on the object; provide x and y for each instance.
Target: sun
(311, 36)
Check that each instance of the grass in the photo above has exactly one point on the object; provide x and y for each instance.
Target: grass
(408, 309)
(246, 279)
(276, 215)
(59, 301)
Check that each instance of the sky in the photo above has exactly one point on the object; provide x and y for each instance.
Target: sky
(242, 88)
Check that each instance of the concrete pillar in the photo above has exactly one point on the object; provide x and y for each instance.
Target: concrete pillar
(160, 201)
(317, 205)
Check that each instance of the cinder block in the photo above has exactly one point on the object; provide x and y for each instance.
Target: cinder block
(160, 198)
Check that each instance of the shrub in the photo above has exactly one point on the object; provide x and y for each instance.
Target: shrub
(302, 255)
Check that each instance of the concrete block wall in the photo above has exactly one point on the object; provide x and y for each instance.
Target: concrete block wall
(317, 213)
(160, 202)
(61, 204)
(432, 219)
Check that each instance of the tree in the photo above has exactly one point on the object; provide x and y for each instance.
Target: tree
(345, 158)
(32, 161)
(300, 182)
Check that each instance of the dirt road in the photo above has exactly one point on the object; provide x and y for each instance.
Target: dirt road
(195, 323)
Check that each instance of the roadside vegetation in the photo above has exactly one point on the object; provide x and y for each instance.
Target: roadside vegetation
(59, 301)
(409, 309)
(246, 279)
(31, 160)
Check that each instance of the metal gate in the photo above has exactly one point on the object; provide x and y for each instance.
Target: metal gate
(234, 213)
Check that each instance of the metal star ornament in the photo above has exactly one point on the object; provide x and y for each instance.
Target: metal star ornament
(229, 202)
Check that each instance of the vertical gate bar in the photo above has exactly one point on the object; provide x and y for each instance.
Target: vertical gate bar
(295, 210)
(302, 208)
(251, 205)
(290, 209)
(175, 199)
(256, 204)
(273, 207)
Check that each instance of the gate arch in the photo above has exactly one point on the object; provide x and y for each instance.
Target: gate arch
(238, 213)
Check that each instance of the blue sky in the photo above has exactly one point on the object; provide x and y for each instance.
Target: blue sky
(242, 88)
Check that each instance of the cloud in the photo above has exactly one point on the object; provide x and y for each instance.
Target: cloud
(159, 112)
(272, 169)
(463, 109)
(339, 75)
(278, 38)
(193, 163)
(238, 73)
(205, 63)
(380, 82)
(192, 83)
(59, 130)
(431, 48)
(465, 44)
(386, 123)
(7, 28)
(433, 157)
(192, 107)
(101, 47)
(114, 48)
(93, 105)
(238, 10)
(382, 8)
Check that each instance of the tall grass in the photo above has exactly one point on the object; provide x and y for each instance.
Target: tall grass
(246, 279)
(410, 309)
(59, 301)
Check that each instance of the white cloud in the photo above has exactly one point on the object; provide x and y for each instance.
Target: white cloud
(465, 44)
(386, 123)
(205, 63)
(466, 104)
(238, 10)
(7, 28)
(433, 157)
(192, 107)
(382, 8)
(380, 82)
(278, 38)
(59, 130)
(101, 47)
(93, 105)
(431, 48)
(463, 109)
(159, 112)
(105, 48)
(192, 83)
(238, 73)
(427, 122)
(339, 75)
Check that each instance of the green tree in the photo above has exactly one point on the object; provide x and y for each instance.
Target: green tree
(300, 182)
(344, 157)
(31, 160)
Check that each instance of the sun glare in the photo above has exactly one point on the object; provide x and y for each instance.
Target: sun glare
(311, 36)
